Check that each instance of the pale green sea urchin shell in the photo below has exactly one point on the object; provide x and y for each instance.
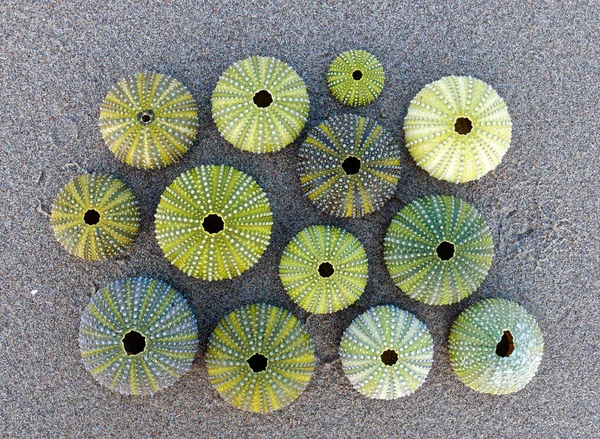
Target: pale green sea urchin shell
(355, 77)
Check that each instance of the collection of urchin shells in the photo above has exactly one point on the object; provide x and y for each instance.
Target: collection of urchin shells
(138, 335)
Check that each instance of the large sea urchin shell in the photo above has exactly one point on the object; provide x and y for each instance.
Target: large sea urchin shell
(260, 358)
(438, 249)
(355, 77)
(138, 336)
(495, 346)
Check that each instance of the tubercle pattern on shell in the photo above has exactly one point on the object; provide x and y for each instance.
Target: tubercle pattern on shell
(352, 90)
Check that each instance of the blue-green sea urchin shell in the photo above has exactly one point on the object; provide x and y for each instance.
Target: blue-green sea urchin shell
(324, 269)
(355, 77)
(137, 336)
(149, 120)
(260, 358)
(495, 346)
(438, 249)
(95, 217)
(386, 353)
(213, 222)
(457, 129)
(260, 104)
(349, 166)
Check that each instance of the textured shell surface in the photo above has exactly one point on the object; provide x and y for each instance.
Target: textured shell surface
(474, 340)
(153, 311)
(349, 166)
(260, 104)
(279, 339)
(95, 216)
(457, 128)
(149, 120)
(355, 77)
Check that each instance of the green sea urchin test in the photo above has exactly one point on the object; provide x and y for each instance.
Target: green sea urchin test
(260, 358)
(349, 166)
(324, 269)
(213, 222)
(495, 346)
(438, 249)
(457, 129)
(149, 120)
(95, 216)
(137, 336)
(355, 77)
(386, 352)
(260, 104)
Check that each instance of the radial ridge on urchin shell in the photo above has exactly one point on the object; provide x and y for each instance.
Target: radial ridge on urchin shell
(355, 77)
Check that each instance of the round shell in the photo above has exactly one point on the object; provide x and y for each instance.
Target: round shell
(355, 77)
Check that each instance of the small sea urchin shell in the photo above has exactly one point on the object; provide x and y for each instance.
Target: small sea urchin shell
(260, 358)
(324, 269)
(355, 77)
(349, 166)
(386, 352)
(149, 120)
(260, 104)
(438, 249)
(95, 216)
(457, 129)
(213, 222)
(138, 336)
(495, 346)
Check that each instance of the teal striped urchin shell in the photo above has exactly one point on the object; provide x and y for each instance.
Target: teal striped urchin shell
(355, 77)
(349, 166)
(213, 222)
(149, 120)
(260, 358)
(95, 216)
(495, 346)
(138, 336)
(324, 269)
(457, 128)
(260, 104)
(438, 249)
(386, 352)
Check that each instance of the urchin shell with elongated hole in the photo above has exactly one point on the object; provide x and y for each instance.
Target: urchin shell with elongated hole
(138, 336)
(495, 346)
(386, 352)
(355, 77)
(324, 269)
(260, 358)
(457, 128)
(438, 249)
(349, 166)
(95, 216)
(260, 104)
(149, 120)
(213, 222)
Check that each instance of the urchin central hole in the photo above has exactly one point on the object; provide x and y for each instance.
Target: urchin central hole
(357, 74)
(326, 269)
(257, 362)
(145, 117)
(445, 250)
(389, 357)
(91, 217)
(463, 125)
(506, 346)
(213, 223)
(351, 165)
(262, 99)
(134, 343)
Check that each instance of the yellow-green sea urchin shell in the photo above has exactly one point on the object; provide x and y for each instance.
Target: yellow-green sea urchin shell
(355, 77)
(149, 120)
(138, 336)
(349, 166)
(95, 216)
(260, 104)
(386, 352)
(457, 128)
(495, 346)
(438, 249)
(213, 222)
(324, 269)
(260, 358)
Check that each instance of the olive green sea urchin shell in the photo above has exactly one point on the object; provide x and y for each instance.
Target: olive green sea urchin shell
(213, 222)
(349, 166)
(260, 104)
(355, 77)
(438, 249)
(386, 352)
(457, 129)
(95, 216)
(138, 336)
(495, 346)
(324, 269)
(260, 358)
(149, 120)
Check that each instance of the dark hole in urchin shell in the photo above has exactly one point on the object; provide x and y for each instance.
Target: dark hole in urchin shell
(351, 165)
(262, 99)
(134, 343)
(213, 223)
(326, 269)
(91, 217)
(146, 117)
(463, 126)
(506, 345)
(389, 357)
(445, 250)
(257, 362)
(357, 75)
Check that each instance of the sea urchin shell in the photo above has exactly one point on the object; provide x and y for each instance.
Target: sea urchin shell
(355, 77)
